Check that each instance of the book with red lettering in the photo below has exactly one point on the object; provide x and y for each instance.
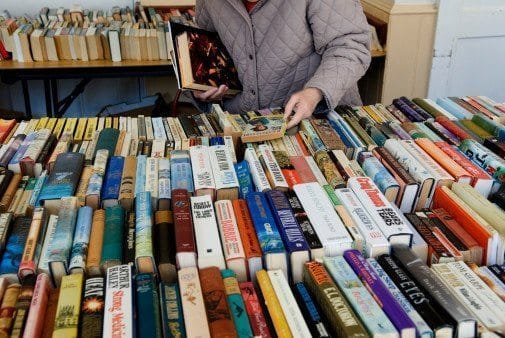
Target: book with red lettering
(184, 233)
(381, 211)
(118, 313)
(254, 310)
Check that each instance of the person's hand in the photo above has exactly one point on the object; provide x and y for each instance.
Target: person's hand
(214, 94)
(302, 104)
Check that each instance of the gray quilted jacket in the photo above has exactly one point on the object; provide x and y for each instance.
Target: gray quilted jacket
(283, 46)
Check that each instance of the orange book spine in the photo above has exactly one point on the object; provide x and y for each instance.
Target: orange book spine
(8, 309)
(445, 161)
(246, 229)
(95, 242)
(8, 196)
(51, 308)
(291, 176)
(37, 312)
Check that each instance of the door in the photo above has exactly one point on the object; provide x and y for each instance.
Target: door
(469, 49)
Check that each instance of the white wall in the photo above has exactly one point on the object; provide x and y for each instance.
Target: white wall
(19, 7)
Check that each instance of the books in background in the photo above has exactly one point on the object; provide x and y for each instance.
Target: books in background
(183, 210)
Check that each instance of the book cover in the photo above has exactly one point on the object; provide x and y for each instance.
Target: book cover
(323, 217)
(112, 181)
(92, 308)
(193, 305)
(184, 233)
(80, 243)
(181, 176)
(164, 184)
(60, 243)
(380, 175)
(244, 178)
(151, 186)
(144, 255)
(8, 196)
(208, 242)
(140, 175)
(465, 322)
(5, 228)
(112, 247)
(291, 233)
(69, 307)
(11, 258)
(171, 310)
(485, 159)
(264, 128)
(38, 305)
(147, 304)
(389, 305)
(119, 311)
(126, 190)
(363, 303)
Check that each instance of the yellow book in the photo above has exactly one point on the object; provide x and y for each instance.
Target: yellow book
(373, 115)
(66, 323)
(51, 123)
(108, 122)
(42, 123)
(31, 126)
(70, 125)
(81, 128)
(58, 129)
(90, 128)
(274, 307)
(115, 122)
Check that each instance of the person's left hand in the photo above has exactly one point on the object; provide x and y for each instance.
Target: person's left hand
(302, 103)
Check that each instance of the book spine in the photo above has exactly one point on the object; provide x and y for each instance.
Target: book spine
(93, 303)
(164, 183)
(152, 168)
(118, 310)
(184, 234)
(96, 242)
(181, 176)
(246, 229)
(493, 165)
(5, 228)
(244, 178)
(254, 310)
(171, 310)
(202, 170)
(8, 308)
(127, 186)
(37, 312)
(143, 233)
(147, 304)
(96, 179)
(32, 250)
(112, 180)
(140, 176)
(311, 313)
(193, 306)
(81, 239)
(43, 260)
(90, 128)
(69, 306)
(222, 167)
(82, 188)
(274, 173)
(22, 307)
(258, 174)
(236, 304)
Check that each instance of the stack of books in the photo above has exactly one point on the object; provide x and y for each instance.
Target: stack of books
(376, 220)
(120, 33)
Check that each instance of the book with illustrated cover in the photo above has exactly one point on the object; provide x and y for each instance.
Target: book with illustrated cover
(201, 60)
(264, 128)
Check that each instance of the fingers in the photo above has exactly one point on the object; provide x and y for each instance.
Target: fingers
(288, 110)
(204, 96)
(299, 115)
(219, 93)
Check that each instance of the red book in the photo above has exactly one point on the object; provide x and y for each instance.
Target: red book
(51, 308)
(291, 176)
(184, 233)
(5, 128)
(254, 311)
(302, 167)
(37, 312)
(453, 127)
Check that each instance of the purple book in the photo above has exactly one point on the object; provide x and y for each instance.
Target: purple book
(411, 114)
(386, 300)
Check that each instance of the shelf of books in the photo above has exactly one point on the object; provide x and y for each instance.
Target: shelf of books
(378, 220)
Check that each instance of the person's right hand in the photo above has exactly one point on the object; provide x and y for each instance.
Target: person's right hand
(214, 94)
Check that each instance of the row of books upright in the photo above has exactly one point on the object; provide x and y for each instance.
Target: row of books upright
(141, 34)
(111, 191)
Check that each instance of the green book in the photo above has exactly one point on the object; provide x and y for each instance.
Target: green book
(171, 310)
(148, 307)
(236, 304)
(112, 249)
(107, 140)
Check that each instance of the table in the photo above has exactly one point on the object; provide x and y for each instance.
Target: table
(51, 71)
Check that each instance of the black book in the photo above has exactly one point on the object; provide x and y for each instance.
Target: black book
(164, 245)
(44, 154)
(189, 128)
(310, 312)
(5, 179)
(93, 303)
(147, 147)
(466, 323)
(129, 240)
(435, 316)
(498, 271)
(499, 197)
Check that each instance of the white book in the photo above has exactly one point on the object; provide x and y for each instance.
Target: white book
(123, 123)
(135, 128)
(468, 297)
(290, 308)
(228, 142)
(168, 131)
(472, 280)
(175, 133)
(277, 179)
(158, 148)
(222, 119)
(84, 147)
(379, 208)
(223, 171)
(497, 282)
(423, 330)
(180, 130)
(129, 124)
(149, 128)
(316, 171)
(203, 178)
(101, 124)
(296, 146)
(21, 128)
(258, 174)
(43, 265)
(230, 237)
(323, 217)
(125, 150)
(376, 243)
(158, 128)
(288, 145)
(193, 306)
(115, 47)
(208, 243)
(152, 179)
(164, 187)
(118, 311)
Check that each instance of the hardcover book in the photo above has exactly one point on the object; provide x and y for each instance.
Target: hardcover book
(171, 310)
(193, 305)
(11, 258)
(31, 254)
(92, 309)
(93, 267)
(184, 233)
(273, 305)
(80, 243)
(254, 310)
(148, 306)
(236, 304)
(311, 313)
(112, 182)
(119, 311)
(69, 307)
(8, 308)
(112, 248)
(226, 180)
(37, 312)
(164, 250)
(144, 254)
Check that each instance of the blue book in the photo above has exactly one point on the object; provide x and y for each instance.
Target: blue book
(343, 136)
(140, 175)
(180, 171)
(291, 233)
(310, 312)
(9, 265)
(112, 181)
(453, 108)
(274, 254)
(81, 239)
(236, 304)
(148, 307)
(374, 169)
(63, 179)
(41, 181)
(144, 254)
(216, 140)
(172, 318)
(60, 244)
(244, 178)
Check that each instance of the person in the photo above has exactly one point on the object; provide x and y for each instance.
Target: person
(304, 55)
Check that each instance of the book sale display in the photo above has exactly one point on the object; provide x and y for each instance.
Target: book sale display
(375, 221)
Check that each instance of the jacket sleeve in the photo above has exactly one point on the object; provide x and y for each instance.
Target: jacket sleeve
(203, 19)
(341, 36)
